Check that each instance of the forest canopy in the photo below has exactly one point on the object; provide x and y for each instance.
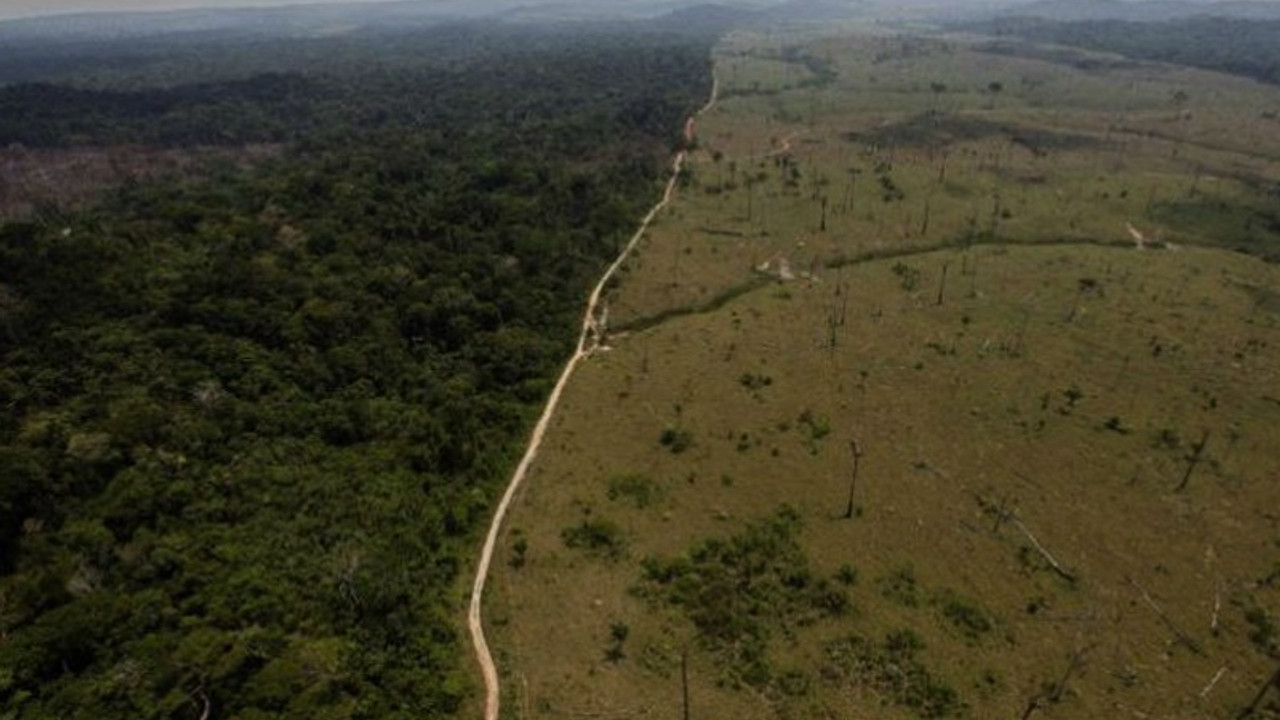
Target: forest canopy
(1239, 47)
(256, 416)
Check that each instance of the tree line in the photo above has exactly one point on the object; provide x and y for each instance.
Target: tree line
(254, 418)
(1241, 47)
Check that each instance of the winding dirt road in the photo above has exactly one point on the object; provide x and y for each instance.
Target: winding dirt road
(588, 340)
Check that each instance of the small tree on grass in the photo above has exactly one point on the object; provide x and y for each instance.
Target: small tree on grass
(618, 633)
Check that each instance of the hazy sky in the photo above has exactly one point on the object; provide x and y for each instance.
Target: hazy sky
(24, 8)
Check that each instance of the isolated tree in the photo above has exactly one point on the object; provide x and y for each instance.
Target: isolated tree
(848, 191)
(937, 88)
(995, 88)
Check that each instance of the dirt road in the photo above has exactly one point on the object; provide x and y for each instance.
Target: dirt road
(588, 339)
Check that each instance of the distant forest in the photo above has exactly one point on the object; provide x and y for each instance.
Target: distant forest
(255, 416)
(1241, 47)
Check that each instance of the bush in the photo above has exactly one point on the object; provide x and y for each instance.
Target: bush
(740, 590)
(754, 382)
(966, 617)
(891, 670)
(635, 488)
(676, 440)
(599, 537)
(900, 587)
(847, 575)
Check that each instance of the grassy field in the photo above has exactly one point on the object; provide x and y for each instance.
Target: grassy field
(1005, 297)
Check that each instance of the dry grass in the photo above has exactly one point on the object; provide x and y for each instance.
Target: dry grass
(1059, 387)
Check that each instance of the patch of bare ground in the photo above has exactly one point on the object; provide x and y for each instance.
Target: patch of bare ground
(69, 177)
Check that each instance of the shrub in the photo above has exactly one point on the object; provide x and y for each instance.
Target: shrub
(908, 277)
(637, 489)
(966, 617)
(739, 591)
(891, 670)
(600, 537)
(816, 427)
(900, 587)
(676, 440)
(847, 575)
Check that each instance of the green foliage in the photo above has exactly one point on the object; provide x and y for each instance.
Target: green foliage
(618, 633)
(908, 277)
(965, 615)
(599, 537)
(900, 586)
(824, 71)
(1251, 227)
(519, 553)
(1116, 425)
(677, 440)
(847, 575)
(815, 426)
(635, 488)
(1242, 47)
(1262, 631)
(738, 592)
(893, 671)
(930, 130)
(254, 419)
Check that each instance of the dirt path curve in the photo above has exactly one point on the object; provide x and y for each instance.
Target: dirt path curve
(588, 339)
(785, 147)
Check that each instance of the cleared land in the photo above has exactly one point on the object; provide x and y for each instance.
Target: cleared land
(1016, 285)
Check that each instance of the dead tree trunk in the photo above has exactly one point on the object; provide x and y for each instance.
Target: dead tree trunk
(1051, 693)
(942, 284)
(1193, 460)
(856, 451)
(684, 681)
(1044, 553)
(1272, 682)
(1186, 640)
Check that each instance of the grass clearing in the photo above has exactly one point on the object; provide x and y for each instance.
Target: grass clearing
(1062, 380)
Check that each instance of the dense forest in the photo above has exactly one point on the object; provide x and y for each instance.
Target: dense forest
(1242, 47)
(255, 417)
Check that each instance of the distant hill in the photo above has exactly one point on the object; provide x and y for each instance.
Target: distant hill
(319, 20)
(802, 11)
(1153, 11)
(1246, 47)
(294, 20)
(705, 18)
(725, 16)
